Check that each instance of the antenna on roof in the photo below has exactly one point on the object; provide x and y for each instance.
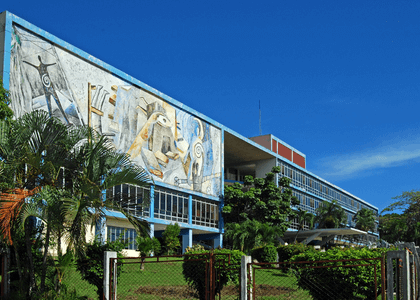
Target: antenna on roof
(259, 105)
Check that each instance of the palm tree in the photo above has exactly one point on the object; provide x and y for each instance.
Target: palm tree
(243, 235)
(251, 233)
(330, 215)
(303, 217)
(69, 168)
(93, 167)
(365, 220)
(31, 150)
(267, 234)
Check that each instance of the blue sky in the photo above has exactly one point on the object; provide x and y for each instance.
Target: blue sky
(337, 80)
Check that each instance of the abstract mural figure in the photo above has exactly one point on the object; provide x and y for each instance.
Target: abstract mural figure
(48, 86)
(198, 157)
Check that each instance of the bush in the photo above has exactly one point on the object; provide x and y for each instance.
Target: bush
(194, 268)
(286, 252)
(91, 264)
(171, 238)
(348, 282)
(267, 253)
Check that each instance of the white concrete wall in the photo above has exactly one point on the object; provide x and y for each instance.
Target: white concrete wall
(264, 166)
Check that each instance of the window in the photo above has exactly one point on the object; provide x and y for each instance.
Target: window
(205, 213)
(128, 235)
(170, 205)
(312, 203)
(131, 198)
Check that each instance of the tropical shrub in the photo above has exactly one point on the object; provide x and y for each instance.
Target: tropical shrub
(194, 268)
(171, 238)
(286, 252)
(91, 264)
(266, 253)
(349, 282)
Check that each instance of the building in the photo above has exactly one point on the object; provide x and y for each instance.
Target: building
(189, 155)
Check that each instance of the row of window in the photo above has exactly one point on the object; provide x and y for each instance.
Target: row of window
(311, 204)
(168, 205)
(316, 187)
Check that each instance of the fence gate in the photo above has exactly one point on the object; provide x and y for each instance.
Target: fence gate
(195, 276)
(328, 279)
(403, 273)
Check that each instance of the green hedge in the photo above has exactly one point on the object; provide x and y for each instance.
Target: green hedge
(267, 253)
(343, 283)
(194, 268)
(286, 252)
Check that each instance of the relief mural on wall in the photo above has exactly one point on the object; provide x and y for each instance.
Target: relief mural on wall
(174, 146)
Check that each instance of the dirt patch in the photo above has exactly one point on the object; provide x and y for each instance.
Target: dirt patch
(185, 292)
(182, 292)
(269, 290)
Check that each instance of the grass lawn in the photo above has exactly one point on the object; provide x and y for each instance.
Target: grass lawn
(73, 281)
(165, 280)
(162, 278)
(276, 284)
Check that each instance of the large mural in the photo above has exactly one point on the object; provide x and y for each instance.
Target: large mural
(174, 146)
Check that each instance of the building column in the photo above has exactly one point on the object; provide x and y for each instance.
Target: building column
(100, 227)
(218, 241)
(152, 230)
(187, 235)
(152, 202)
(190, 210)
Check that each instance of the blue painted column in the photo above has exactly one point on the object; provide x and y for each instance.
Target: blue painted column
(152, 230)
(187, 234)
(186, 238)
(152, 202)
(218, 241)
(6, 50)
(100, 226)
(190, 211)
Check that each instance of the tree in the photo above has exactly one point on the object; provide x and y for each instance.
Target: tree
(171, 237)
(303, 217)
(146, 246)
(393, 228)
(365, 220)
(6, 112)
(66, 170)
(330, 215)
(91, 264)
(260, 199)
(93, 167)
(400, 221)
(251, 233)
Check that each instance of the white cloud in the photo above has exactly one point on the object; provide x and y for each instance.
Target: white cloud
(356, 164)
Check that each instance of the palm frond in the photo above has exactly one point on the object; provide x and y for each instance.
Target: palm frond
(10, 208)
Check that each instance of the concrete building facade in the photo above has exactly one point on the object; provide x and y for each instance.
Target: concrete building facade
(189, 155)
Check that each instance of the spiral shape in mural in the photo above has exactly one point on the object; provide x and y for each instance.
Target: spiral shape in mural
(46, 80)
(198, 150)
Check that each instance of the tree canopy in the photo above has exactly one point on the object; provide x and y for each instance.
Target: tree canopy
(258, 209)
(65, 170)
(365, 220)
(400, 221)
(260, 199)
(330, 215)
(6, 112)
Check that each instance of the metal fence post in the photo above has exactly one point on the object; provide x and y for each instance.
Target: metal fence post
(107, 268)
(402, 255)
(245, 260)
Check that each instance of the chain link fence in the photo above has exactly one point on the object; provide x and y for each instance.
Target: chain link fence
(335, 280)
(154, 278)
